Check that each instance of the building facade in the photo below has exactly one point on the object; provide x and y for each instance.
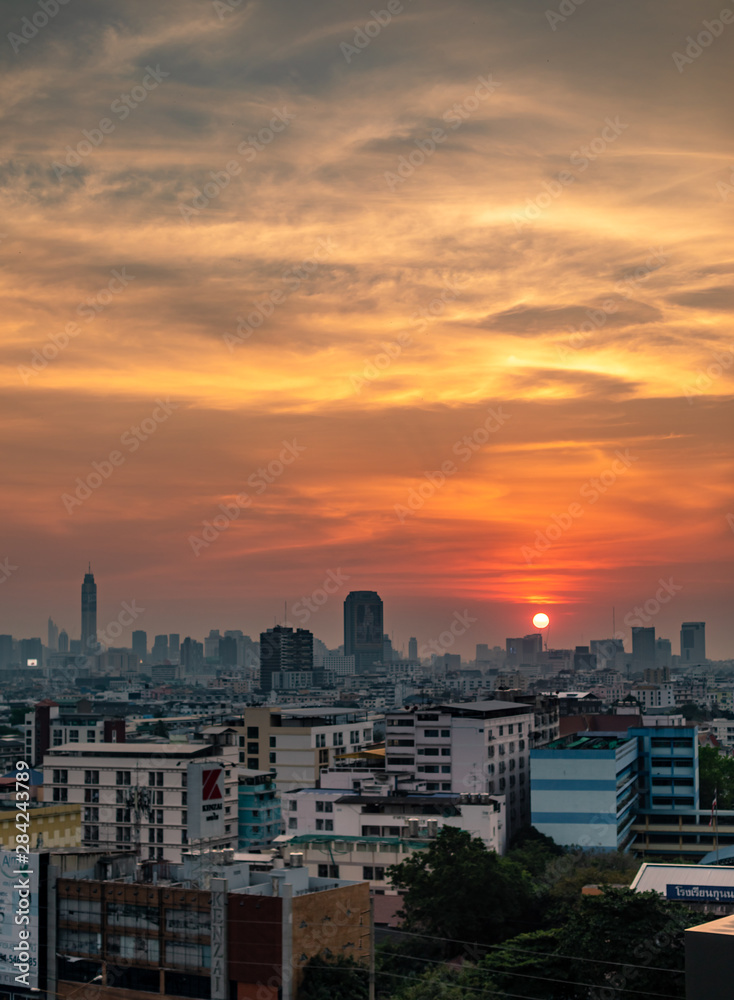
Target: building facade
(363, 629)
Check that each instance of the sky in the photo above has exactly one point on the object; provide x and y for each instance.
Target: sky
(423, 298)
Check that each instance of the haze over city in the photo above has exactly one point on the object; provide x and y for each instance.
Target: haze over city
(443, 309)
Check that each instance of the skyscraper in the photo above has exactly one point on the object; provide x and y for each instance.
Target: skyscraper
(140, 645)
(174, 643)
(159, 653)
(693, 642)
(63, 641)
(281, 650)
(89, 614)
(643, 647)
(53, 634)
(412, 648)
(363, 630)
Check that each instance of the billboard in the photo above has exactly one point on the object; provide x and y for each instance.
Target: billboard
(19, 920)
(700, 893)
(205, 799)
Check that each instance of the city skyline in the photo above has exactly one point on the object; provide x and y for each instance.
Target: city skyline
(439, 302)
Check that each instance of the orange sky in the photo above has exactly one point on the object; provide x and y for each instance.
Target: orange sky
(475, 213)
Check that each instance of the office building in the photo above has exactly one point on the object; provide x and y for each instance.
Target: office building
(211, 645)
(283, 649)
(643, 648)
(412, 648)
(523, 651)
(191, 656)
(480, 747)
(89, 643)
(228, 651)
(63, 643)
(363, 629)
(174, 643)
(6, 651)
(140, 645)
(663, 653)
(31, 653)
(693, 642)
(159, 653)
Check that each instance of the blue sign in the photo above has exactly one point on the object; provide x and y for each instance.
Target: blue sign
(701, 893)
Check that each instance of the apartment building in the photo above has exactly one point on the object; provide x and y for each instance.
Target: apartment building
(480, 747)
(51, 725)
(138, 796)
(294, 744)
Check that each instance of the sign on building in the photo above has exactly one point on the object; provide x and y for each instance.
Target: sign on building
(205, 800)
(701, 893)
(18, 921)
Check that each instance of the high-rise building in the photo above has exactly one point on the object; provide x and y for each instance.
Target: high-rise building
(693, 642)
(663, 653)
(89, 614)
(159, 652)
(6, 651)
(174, 645)
(63, 641)
(191, 656)
(643, 647)
(228, 651)
(363, 628)
(412, 649)
(53, 635)
(31, 653)
(211, 644)
(140, 645)
(281, 650)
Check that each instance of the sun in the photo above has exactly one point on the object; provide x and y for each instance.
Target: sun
(541, 620)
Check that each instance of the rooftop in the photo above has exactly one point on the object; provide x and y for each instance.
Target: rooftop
(584, 742)
(131, 750)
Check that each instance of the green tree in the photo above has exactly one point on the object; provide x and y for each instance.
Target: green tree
(533, 850)
(457, 889)
(716, 777)
(334, 979)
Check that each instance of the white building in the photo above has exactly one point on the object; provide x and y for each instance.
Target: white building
(481, 747)
(654, 696)
(135, 795)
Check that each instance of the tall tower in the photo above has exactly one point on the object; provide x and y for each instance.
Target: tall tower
(89, 614)
(693, 642)
(363, 629)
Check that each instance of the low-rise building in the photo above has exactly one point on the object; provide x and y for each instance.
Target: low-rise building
(259, 816)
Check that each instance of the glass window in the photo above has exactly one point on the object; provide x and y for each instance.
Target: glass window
(253, 732)
(91, 777)
(134, 947)
(61, 777)
(188, 956)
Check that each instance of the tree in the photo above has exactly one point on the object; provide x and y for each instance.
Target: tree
(457, 889)
(716, 777)
(533, 850)
(334, 979)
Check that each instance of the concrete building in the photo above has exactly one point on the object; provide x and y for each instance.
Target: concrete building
(584, 790)
(481, 747)
(283, 649)
(708, 960)
(52, 824)
(654, 698)
(135, 796)
(344, 812)
(89, 642)
(51, 725)
(643, 647)
(259, 819)
(207, 929)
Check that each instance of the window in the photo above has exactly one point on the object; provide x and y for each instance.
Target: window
(158, 798)
(521, 744)
(159, 816)
(445, 769)
(91, 833)
(354, 736)
(328, 871)
(512, 746)
(502, 730)
(242, 757)
(253, 763)
(61, 777)
(253, 748)
(122, 816)
(431, 732)
(253, 732)
(370, 873)
(183, 779)
(123, 834)
(121, 777)
(91, 794)
(60, 795)
(91, 736)
(370, 831)
(73, 736)
(184, 799)
(323, 756)
(445, 751)
(272, 758)
(490, 751)
(292, 823)
(510, 729)
(428, 751)
(241, 741)
(91, 777)
(184, 817)
(319, 824)
(294, 805)
(338, 739)
(155, 778)
(329, 825)
(272, 741)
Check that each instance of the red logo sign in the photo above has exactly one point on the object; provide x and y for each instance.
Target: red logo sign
(210, 785)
